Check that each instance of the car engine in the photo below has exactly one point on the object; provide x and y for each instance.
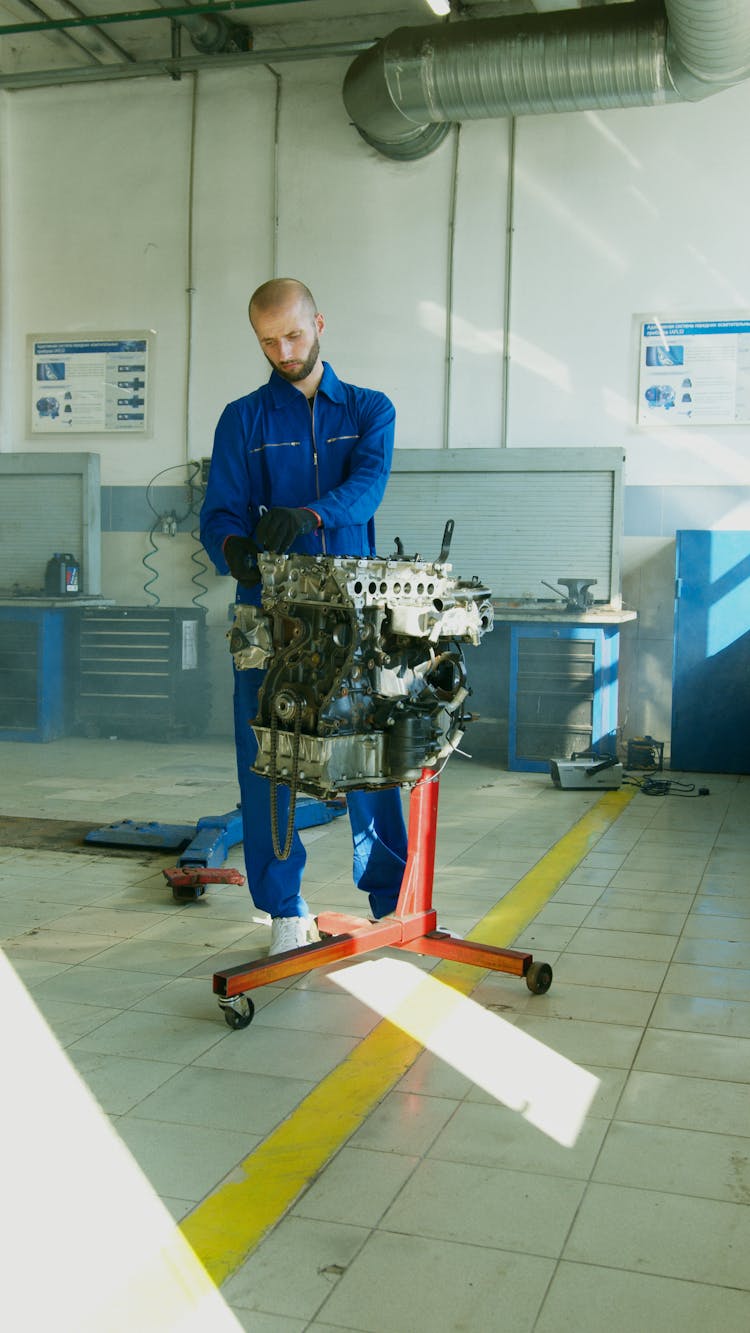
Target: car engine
(365, 679)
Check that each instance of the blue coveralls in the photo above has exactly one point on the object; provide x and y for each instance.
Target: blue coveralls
(269, 450)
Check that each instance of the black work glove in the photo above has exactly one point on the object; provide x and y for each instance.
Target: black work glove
(240, 553)
(280, 527)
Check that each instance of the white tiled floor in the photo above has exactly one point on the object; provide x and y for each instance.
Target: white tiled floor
(446, 1210)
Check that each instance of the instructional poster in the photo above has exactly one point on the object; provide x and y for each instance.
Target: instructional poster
(694, 372)
(90, 384)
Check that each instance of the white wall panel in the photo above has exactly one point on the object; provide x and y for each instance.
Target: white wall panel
(618, 213)
(97, 238)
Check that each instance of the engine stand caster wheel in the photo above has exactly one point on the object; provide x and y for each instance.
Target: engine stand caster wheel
(239, 1012)
(539, 978)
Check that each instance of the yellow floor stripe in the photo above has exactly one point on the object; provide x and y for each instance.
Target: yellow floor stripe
(227, 1226)
(514, 912)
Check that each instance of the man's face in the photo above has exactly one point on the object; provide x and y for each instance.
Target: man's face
(288, 337)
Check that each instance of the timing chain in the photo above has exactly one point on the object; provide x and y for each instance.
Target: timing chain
(274, 782)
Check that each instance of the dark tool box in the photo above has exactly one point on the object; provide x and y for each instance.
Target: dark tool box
(142, 672)
(645, 752)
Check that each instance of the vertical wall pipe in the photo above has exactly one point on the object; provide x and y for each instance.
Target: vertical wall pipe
(190, 289)
(275, 174)
(448, 372)
(509, 236)
(6, 249)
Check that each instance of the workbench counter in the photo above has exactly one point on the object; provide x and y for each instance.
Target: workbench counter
(551, 613)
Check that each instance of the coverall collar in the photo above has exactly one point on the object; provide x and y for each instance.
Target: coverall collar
(283, 393)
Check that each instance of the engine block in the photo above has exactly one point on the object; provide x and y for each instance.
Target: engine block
(365, 678)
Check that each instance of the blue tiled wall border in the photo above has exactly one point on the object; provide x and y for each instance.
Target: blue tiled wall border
(126, 508)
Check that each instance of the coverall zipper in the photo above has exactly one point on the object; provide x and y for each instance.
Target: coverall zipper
(315, 464)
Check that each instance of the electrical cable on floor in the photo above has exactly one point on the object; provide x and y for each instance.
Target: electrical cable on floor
(666, 787)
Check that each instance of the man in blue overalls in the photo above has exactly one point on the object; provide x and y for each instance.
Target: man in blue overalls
(299, 465)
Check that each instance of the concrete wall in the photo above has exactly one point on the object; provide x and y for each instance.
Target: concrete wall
(616, 214)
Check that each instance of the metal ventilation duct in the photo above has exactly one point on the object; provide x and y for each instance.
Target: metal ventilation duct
(404, 92)
(213, 33)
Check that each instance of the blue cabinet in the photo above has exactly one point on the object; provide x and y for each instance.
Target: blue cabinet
(34, 645)
(141, 671)
(711, 674)
(563, 692)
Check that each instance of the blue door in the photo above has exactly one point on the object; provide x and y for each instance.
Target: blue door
(711, 675)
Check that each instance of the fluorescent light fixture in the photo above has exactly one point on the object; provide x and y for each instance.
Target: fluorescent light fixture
(440, 7)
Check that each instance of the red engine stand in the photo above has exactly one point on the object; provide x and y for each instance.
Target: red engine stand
(412, 926)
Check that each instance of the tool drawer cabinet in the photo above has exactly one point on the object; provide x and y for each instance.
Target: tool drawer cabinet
(142, 671)
(563, 692)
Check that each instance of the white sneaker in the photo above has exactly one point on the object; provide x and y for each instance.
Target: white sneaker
(291, 932)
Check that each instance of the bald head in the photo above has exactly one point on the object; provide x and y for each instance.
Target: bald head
(288, 325)
(278, 292)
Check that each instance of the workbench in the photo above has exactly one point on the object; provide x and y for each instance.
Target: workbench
(545, 682)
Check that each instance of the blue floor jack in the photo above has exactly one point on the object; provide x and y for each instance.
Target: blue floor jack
(204, 846)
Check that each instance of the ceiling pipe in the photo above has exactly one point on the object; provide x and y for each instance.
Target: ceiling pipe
(98, 37)
(82, 20)
(403, 94)
(52, 78)
(72, 41)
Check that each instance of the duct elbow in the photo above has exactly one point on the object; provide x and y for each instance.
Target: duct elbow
(374, 111)
(708, 46)
(405, 91)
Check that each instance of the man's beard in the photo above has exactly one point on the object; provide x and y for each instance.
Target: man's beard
(304, 370)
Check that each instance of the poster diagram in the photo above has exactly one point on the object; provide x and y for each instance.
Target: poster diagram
(90, 385)
(694, 373)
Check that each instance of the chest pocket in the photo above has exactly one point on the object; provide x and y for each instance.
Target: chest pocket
(275, 444)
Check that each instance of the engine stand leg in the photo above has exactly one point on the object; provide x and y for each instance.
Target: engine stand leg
(411, 927)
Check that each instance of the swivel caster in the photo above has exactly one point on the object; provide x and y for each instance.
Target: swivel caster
(239, 1012)
(539, 978)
